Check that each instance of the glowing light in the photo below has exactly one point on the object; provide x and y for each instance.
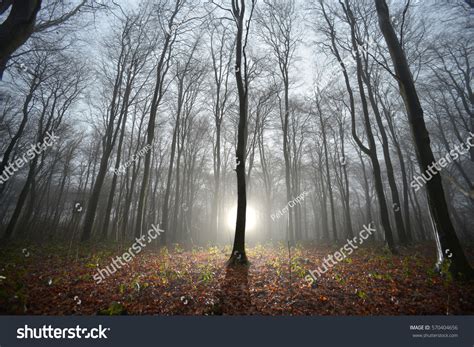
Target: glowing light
(250, 221)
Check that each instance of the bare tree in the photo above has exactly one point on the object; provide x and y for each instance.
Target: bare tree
(446, 238)
(242, 79)
(21, 22)
(278, 21)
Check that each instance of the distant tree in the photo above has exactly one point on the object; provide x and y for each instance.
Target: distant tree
(170, 27)
(127, 60)
(60, 81)
(277, 21)
(221, 94)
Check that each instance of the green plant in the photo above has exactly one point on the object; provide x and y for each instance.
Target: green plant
(361, 294)
(297, 268)
(206, 274)
(178, 249)
(115, 309)
(339, 279)
(444, 270)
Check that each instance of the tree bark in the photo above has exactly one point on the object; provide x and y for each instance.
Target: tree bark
(17, 28)
(445, 235)
(238, 251)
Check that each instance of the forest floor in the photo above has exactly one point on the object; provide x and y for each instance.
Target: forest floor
(51, 280)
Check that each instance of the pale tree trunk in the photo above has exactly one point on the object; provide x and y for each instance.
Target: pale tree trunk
(349, 232)
(368, 197)
(371, 151)
(277, 23)
(221, 67)
(124, 114)
(108, 142)
(394, 136)
(161, 72)
(320, 183)
(328, 175)
(165, 208)
(396, 204)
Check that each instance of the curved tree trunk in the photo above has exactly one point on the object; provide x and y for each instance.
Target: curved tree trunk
(17, 28)
(445, 235)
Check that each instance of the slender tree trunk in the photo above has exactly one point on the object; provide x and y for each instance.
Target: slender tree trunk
(110, 200)
(286, 155)
(25, 113)
(94, 199)
(217, 177)
(238, 251)
(328, 175)
(161, 71)
(396, 204)
(177, 196)
(21, 200)
(165, 210)
(349, 232)
(371, 151)
(406, 208)
(324, 209)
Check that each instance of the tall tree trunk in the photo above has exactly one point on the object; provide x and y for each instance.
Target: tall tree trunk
(324, 209)
(165, 208)
(349, 232)
(57, 210)
(396, 204)
(406, 208)
(238, 251)
(328, 175)
(161, 71)
(445, 235)
(94, 199)
(371, 151)
(21, 200)
(177, 200)
(286, 155)
(217, 178)
(124, 115)
(108, 142)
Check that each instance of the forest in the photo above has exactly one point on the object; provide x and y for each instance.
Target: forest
(236, 157)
